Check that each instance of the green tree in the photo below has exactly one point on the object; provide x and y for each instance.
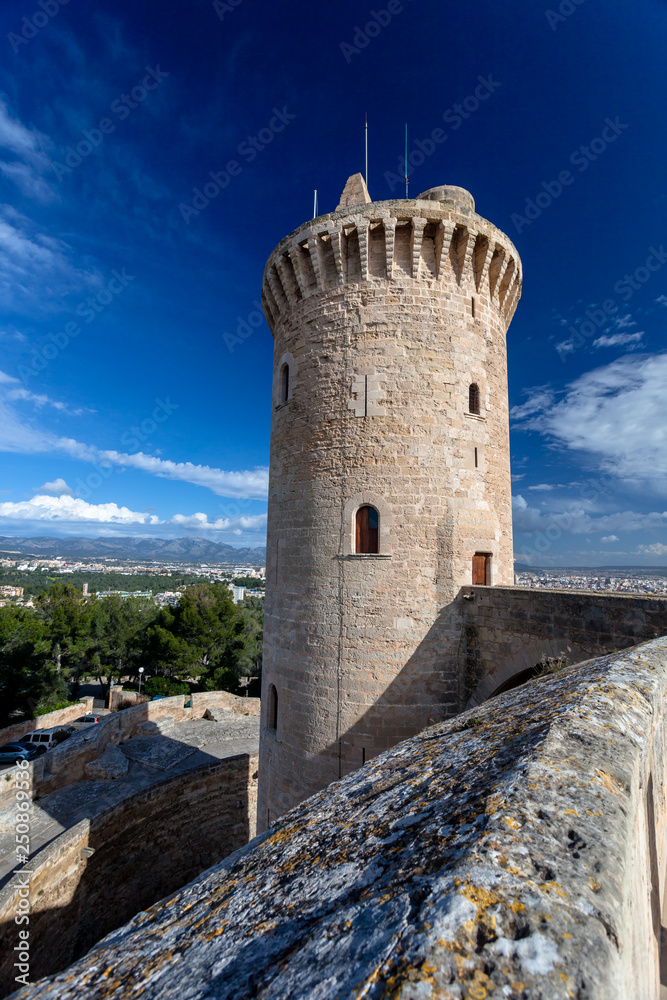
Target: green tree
(28, 677)
(118, 627)
(209, 629)
(67, 619)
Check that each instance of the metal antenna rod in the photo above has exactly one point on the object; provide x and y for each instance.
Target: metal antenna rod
(406, 159)
(366, 136)
(315, 205)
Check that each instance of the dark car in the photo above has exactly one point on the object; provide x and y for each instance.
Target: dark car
(12, 753)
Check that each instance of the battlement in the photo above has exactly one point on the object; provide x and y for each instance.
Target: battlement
(435, 238)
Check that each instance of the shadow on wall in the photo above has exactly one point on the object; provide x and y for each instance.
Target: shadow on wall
(101, 872)
(488, 640)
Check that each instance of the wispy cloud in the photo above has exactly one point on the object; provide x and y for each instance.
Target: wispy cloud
(616, 413)
(575, 520)
(30, 146)
(20, 435)
(618, 339)
(32, 262)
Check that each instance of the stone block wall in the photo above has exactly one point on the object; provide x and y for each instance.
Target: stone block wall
(507, 630)
(127, 699)
(385, 314)
(517, 850)
(98, 874)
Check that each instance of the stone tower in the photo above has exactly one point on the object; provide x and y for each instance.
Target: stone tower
(390, 474)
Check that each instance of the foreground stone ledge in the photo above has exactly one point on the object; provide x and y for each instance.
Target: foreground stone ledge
(514, 851)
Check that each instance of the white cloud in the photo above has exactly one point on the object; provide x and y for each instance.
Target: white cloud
(41, 399)
(31, 261)
(576, 520)
(616, 413)
(618, 339)
(544, 487)
(539, 400)
(253, 522)
(16, 137)
(608, 337)
(249, 483)
(565, 347)
(20, 436)
(609, 538)
(657, 549)
(58, 488)
(30, 145)
(71, 509)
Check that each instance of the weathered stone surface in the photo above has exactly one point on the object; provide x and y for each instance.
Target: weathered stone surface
(355, 192)
(120, 859)
(385, 314)
(512, 852)
(161, 752)
(508, 630)
(111, 765)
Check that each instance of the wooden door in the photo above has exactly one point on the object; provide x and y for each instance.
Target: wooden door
(480, 568)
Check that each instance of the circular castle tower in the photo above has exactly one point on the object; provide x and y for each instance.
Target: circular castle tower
(389, 478)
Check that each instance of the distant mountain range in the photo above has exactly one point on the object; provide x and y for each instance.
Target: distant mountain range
(149, 549)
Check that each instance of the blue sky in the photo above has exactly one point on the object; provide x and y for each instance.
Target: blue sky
(135, 385)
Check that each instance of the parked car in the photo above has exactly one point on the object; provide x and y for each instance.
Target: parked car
(12, 753)
(47, 739)
(86, 720)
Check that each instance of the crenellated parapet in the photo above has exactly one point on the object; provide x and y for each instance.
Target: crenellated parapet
(436, 238)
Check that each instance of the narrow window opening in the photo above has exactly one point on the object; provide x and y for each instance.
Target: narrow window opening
(473, 306)
(367, 530)
(284, 383)
(475, 457)
(481, 569)
(473, 398)
(272, 713)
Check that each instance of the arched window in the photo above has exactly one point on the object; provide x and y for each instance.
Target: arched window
(473, 398)
(272, 712)
(367, 530)
(284, 383)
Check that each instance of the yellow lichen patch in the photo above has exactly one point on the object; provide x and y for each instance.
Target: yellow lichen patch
(555, 888)
(566, 935)
(570, 812)
(516, 906)
(511, 822)
(594, 884)
(610, 783)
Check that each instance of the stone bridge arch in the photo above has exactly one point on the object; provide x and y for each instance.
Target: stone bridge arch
(519, 665)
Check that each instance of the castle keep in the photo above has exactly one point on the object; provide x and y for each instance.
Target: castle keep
(390, 474)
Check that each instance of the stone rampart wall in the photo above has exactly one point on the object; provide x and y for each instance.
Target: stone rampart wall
(120, 699)
(506, 630)
(516, 850)
(66, 763)
(60, 718)
(99, 873)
